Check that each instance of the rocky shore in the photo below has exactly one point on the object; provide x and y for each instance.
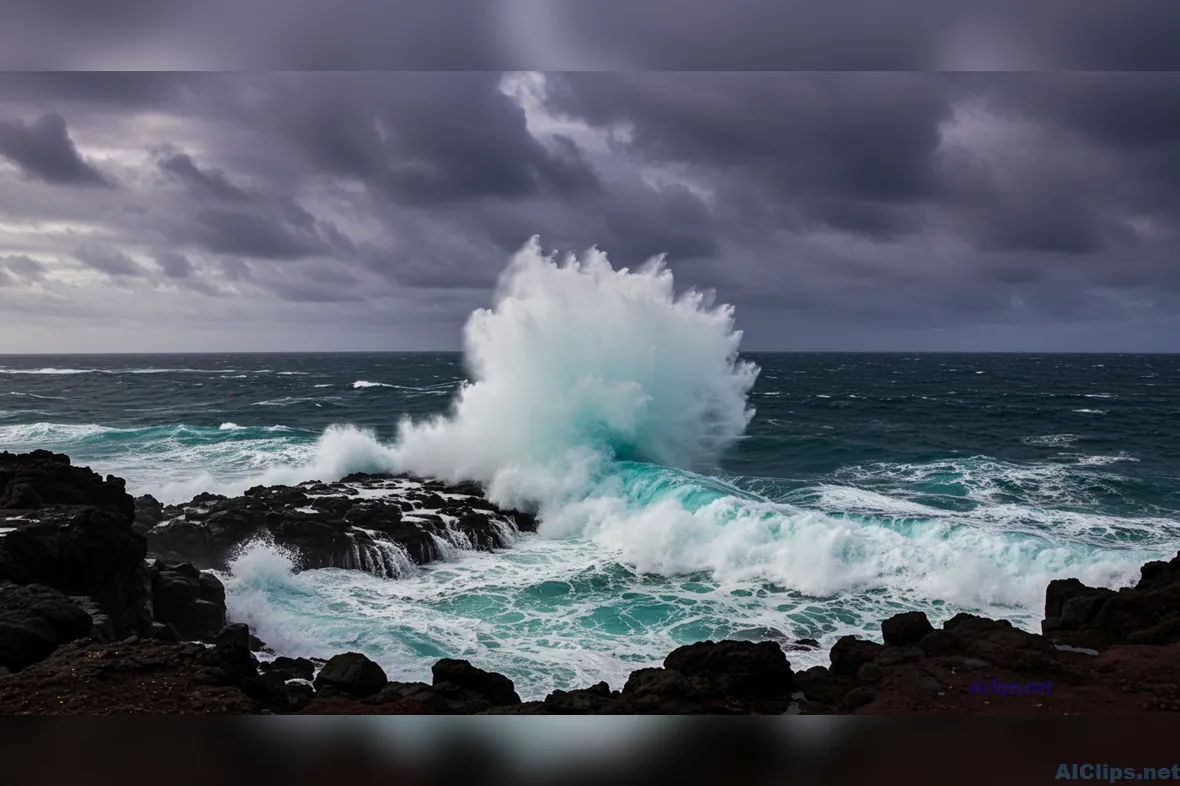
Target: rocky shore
(107, 605)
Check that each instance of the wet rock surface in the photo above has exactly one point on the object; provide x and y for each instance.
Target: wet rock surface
(381, 524)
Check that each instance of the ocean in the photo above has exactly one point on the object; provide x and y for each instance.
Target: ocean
(686, 492)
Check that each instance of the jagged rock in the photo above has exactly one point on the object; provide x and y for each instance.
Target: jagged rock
(290, 668)
(996, 641)
(821, 686)
(351, 673)
(595, 700)
(905, 629)
(34, 621)
(101, 628)
(1148, 613)
(148, 513)
(238, 635)
(498, 689)
(850, 653)
(29, 481)
(90, 551)
(734, 669)
(375, 535)
(712, 676)
(191, 601)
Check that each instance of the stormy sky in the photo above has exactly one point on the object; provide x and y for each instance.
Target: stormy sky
(837, 210)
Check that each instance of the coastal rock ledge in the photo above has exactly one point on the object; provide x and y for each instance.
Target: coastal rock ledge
(107, 606)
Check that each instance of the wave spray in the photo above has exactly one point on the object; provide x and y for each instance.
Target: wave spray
(578, 365)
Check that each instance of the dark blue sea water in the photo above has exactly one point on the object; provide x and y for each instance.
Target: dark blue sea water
(863, 484)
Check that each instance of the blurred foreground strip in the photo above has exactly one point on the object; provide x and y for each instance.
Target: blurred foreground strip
(569, 751)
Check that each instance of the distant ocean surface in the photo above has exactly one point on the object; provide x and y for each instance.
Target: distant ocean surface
(864, 484)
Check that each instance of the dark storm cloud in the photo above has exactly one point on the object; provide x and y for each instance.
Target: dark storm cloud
(1136, 118)
(579, 35)
(864, 154)
(269, 235)
(865, 34)
(43, 150)
(22, 266)
(173, 265)
(108, 260)
(235, 269)
(402, 134)
(864, 205)
(842, 151)
(211, 182)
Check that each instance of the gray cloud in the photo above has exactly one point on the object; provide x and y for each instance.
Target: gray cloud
(210, 183)
(23, 267)
(173, 265)
(570, 35)
(834, 210)
(108, 260)
(43, 150)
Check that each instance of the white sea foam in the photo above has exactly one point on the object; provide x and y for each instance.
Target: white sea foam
(51, 434)
(362, 383)
(48, 371)
(37, 395)
(231, 468)
(577, 364)
(1051, 440)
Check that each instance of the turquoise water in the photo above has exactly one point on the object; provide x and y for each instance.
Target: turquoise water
(862, 485)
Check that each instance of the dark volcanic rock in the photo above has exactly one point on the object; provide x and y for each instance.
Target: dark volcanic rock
(821, 686)
(383, 535)
(34, 621)
(29, 481)
(498, 689)
(905, 629)
(148, 513)
(290, 668)
(236, 634)
(734, 669)
(351, 673)
(1148, 613)
(596, 700)
(709, 677)
(994, 641)
(850, 653)
(78, 539)
(101, 627)
(191, 601)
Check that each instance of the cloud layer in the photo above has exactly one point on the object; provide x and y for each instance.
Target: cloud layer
(148, 211)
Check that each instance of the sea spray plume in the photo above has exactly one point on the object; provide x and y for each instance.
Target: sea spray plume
(577, 364)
